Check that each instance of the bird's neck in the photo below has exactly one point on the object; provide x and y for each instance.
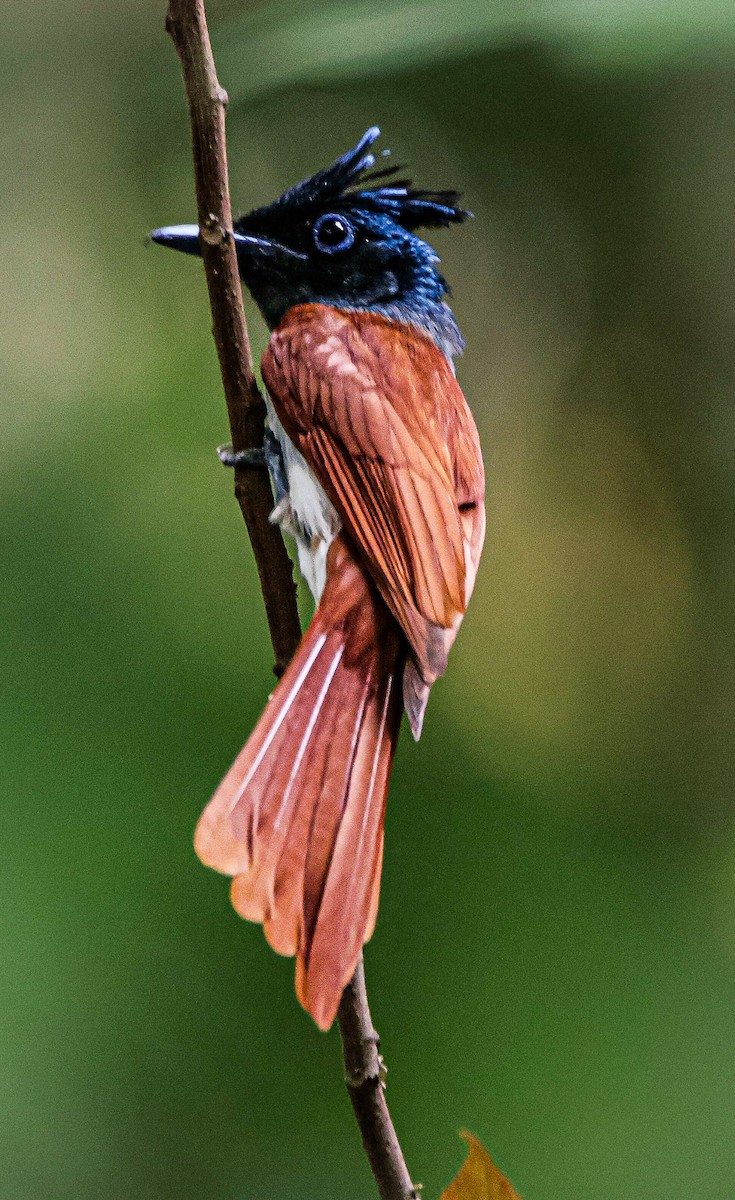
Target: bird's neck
(435, 319)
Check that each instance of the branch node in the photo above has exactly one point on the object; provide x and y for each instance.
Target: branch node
(212, 231)
(360, 1078)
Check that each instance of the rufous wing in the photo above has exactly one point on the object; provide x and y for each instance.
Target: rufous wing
(376, 411)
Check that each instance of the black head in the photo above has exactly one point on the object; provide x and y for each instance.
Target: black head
(345, 237)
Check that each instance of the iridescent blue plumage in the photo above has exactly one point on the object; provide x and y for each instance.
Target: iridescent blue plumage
(407, 206)
(382, 265)
(346, 237)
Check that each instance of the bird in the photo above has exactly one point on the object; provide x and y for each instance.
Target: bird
(378, 476)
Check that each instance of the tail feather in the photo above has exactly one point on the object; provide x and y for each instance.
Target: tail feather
(347, 906)
(298, 819)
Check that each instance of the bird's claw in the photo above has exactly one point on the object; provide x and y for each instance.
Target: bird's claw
(254, 456)
(269, 455)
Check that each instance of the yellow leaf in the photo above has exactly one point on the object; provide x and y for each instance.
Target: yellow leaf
(479, 1178)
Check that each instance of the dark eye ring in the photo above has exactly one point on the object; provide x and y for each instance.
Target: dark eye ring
(333, 234)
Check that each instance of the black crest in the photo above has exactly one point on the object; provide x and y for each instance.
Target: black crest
(341, 186)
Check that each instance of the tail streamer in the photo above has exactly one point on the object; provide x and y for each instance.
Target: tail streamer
(298, 819)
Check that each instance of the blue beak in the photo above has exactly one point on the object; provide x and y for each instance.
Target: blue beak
(186, 239)
(178, 237)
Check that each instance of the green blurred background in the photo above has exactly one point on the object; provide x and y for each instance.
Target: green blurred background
(554, 964)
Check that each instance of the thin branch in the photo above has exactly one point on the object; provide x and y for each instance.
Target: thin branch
(187, 24)
(365, 1079)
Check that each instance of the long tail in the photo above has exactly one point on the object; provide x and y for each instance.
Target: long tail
(298, 819)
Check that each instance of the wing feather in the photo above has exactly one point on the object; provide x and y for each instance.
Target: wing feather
(370, 404)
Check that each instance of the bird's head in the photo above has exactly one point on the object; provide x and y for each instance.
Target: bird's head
(344, 237)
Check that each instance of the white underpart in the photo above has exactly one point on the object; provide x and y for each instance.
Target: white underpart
(306, 513)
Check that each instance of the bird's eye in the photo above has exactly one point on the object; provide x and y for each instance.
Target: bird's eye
(333, 234)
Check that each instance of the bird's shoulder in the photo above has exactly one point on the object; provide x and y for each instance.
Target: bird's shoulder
(361, 350)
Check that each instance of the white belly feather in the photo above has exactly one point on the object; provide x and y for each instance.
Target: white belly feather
(306, 513)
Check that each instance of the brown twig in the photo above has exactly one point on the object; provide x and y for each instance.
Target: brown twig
(187, 24)
(365, 1079)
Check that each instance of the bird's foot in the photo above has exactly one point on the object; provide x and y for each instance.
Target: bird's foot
(276, 465)
(269, 455)
(254, 456)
